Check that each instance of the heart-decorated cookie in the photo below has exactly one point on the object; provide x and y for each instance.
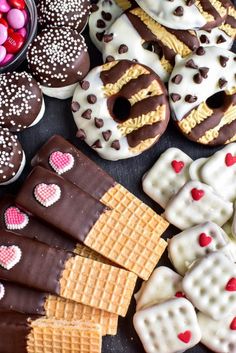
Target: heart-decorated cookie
(47, 194)
(61, 162)
(197, 194)
(204, 240)
(9, 256)
(2, 291)
(15, 219)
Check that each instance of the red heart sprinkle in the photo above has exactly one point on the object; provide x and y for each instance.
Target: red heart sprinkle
(231, 285)
(14, 42)
(230, 159)
(18, 4)
(185, 336)
(180, 295)
(177, 166)
(233, 324)
(204, 240)
(197, 194)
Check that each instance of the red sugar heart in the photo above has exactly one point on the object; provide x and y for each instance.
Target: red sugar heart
(180, 295)
(15, 219)
(230, 159)
(61, 162)
(177, 166)
(231, 285)
(204, 240)
(197, 194)
(9, 256)
(233, 324)
(185, 336)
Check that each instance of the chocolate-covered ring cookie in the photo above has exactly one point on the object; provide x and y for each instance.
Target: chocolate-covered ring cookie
(63, 13)
(147, 42)
(103, 14)
(21, 101)
(121, 109)
(187, 14)
(202, 90)
(58, 58)
(12, 157)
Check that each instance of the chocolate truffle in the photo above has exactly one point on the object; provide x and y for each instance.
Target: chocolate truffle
(21, 101)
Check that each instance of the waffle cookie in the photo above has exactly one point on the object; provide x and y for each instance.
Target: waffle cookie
(14, 297)
(117, 236)
(62, 273)
(32, 334)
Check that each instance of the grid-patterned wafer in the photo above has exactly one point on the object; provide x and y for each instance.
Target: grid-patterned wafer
(125, 238)
(84, 251)
(34, 264)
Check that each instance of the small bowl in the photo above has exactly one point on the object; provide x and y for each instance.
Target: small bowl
(32, 30)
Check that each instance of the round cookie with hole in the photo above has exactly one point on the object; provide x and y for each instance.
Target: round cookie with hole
(202, 91)
(121, 109)
(148, 42)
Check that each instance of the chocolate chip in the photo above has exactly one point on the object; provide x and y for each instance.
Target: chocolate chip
(204, 71)
(87, 114)
(84, 85)
(98, 123)
(116, 145)
(222, 82)
(204, 39)
(223, 60)
(197, 78)
(175, 97)
(81, 134)
(94, 7)
(108, 37)
(109, 58)
(179, 11)
(200, 51)
(177, 79)
(92, 99)
(101, 24)
(100, 36)
(106, 16)
(220, 39)
(75, 106)
(191, 64)
(190, 2)
(97, 144)
(123, 49)
(190, 99)
(106, 135)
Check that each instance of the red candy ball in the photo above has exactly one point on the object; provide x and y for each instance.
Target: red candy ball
(4, 22)
(17, 4)
(14, 42)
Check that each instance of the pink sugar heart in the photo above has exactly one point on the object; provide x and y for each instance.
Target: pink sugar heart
(47, 194)
(2, 291)
(204, 240)
(61, 162)
(9, 256)
(185, 336)
(15, 219)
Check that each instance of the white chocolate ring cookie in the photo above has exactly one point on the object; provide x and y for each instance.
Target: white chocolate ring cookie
(202, 91)
(120, 109)
(148, 42)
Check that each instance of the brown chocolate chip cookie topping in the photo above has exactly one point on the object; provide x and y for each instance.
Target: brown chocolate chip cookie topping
(109, 58)
(98, 123)
(123, 49)
(106, 135)
(220, 39)
(200, 51)
(87, 114)
(191, 64)
(197, 78)
(116, 145)
(97, 144)
(190, 2)
(223, 60)
(81, 134)
(108, 37)
(190, 99)
(75, 106)
(222, 82)
(204, 39)
(175, 97)
(204, 71)
(106, 16)
(177, 79)
(101, 24)
(100, 36)
(92, 99)
(94, 7)
(84, 85)
(179, 11)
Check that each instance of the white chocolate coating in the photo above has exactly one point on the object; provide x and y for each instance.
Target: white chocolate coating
(60, 92)
(195, 168)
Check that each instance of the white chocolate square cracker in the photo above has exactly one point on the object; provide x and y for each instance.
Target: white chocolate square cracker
(219, 336)
(220, 172)
(162, 285)
(169, 327)
(196, 203)
(210, 284)
(195, 168)
(196, 242)
(167, 176)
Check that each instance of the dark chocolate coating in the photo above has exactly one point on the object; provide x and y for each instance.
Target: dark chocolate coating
(40, 266)
(58, 57)
(14, 328)
(85, 173)
(74, 213)
(209, 8)
(22, 299)
(21, 100)
(36, 229)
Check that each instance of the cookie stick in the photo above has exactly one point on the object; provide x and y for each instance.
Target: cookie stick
(14, 297)
(108, 232)
(55, 271)
(31, 334)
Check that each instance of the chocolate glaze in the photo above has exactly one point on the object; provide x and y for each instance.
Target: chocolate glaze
(40, 266)
(85, 173)
(22, 299)
(209, 8)
(230, 20)
(146, 106)
(14, 328)
(116, 72)
(131, 88)
(74, 213)
(36, 229)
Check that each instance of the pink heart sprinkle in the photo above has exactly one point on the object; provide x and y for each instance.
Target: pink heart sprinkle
(204, 240)
(47, 194)
(61, 162)
(15, 219)
(177, 166)
(233, 324)
(185, 336)
(231, 285)
(230, 159)
(9, 256)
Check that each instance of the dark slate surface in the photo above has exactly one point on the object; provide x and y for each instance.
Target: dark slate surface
(58, 119)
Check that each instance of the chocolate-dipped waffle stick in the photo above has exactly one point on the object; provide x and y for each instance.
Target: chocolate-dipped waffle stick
(30, 334)
(34, 264)
(106, 231)
(14, 297)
